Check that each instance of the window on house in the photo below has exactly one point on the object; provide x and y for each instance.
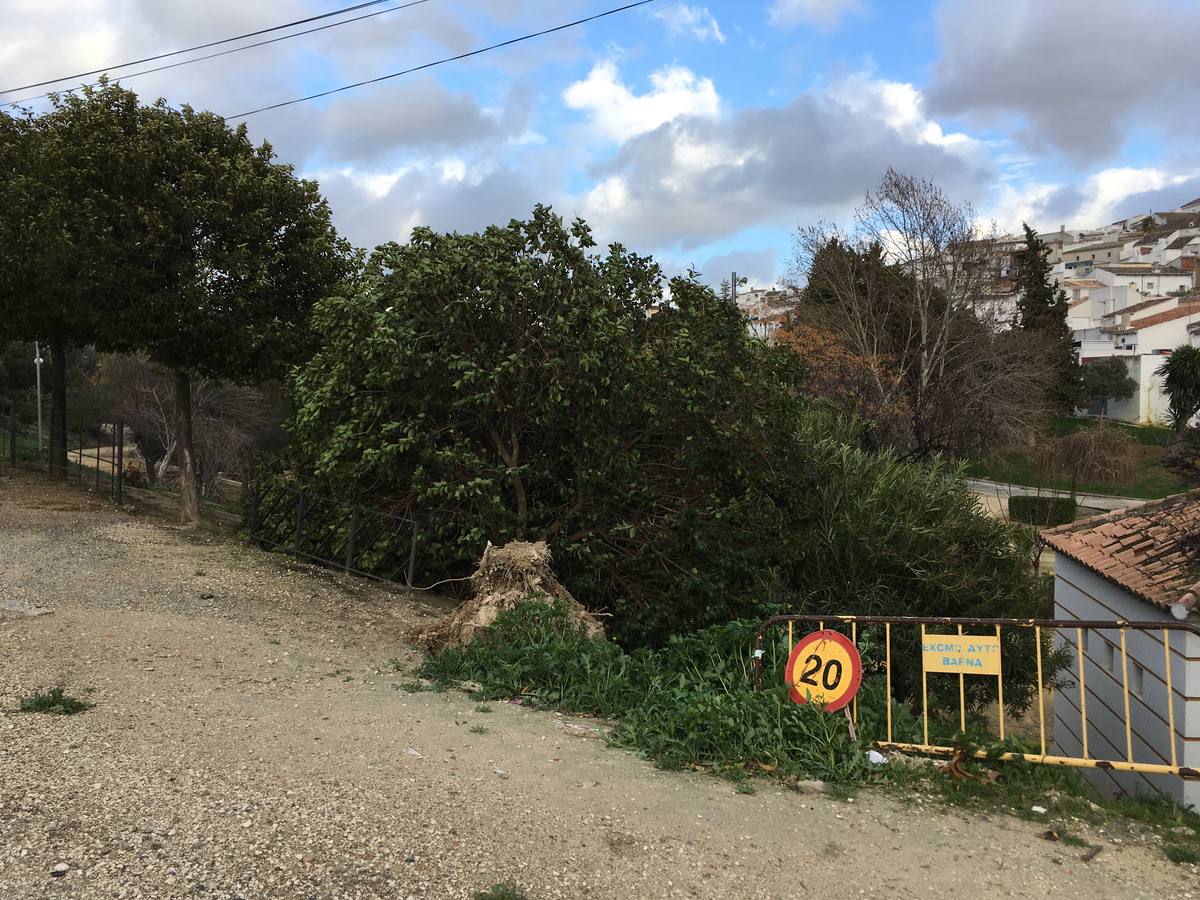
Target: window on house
(1109, 658)
(1137, 680)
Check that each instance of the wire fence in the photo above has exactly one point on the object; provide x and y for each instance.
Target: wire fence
(8, 422)
(95, 456)
(91, 453)
(346, 536)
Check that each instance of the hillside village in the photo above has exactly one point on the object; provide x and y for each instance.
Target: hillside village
(1131, 288)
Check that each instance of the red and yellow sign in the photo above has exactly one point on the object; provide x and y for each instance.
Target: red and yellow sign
(824, 669)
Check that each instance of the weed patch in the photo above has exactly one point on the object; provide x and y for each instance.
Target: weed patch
(54, 701)
(689, 704)
(501, 892)
(1182, 855)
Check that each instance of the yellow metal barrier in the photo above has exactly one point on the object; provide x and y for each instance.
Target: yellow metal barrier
(986, 657)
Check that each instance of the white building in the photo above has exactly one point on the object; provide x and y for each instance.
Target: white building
(766, 309)
(1143, 334)
(1133, 565)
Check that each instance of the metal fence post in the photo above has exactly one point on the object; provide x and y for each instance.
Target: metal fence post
(12, 434)
(120, 461)
(99, 431)
(299, 522)
(353, 534)
(255, 496)
(79, 460)
(412, 555)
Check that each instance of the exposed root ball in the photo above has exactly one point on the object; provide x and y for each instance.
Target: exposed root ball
(506, 576)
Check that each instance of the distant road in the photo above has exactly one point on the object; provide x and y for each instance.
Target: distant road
(1091, 501)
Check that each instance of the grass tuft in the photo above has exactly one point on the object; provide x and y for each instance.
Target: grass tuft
(501, 892)
(1182, 855)
(54, 701)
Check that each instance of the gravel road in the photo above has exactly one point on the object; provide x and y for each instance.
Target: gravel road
(252, 737)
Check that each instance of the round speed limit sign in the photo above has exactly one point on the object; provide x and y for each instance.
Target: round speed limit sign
(824, 669)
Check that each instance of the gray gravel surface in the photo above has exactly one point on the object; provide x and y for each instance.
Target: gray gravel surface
(252, 737)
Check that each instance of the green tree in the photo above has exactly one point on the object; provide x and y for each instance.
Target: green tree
(69, 208)
(1042, 307)
(518, 383)
(241, 249)
(1180, 373)
(1107, 379)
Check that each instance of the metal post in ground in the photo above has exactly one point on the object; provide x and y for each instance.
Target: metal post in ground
(412, 555)
(12, 434)
(120, 474)
(37, 362)
(350, 540)
(255, 497)
(99, 431)
(299, 522)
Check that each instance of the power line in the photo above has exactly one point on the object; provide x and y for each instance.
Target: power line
(197, 59)
(448, 59)
(249, 34)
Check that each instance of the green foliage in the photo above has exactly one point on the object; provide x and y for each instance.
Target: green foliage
(1107, 379)
(1042, 306)
(1180, 373)
(514, 384)
(54, 701)
(1045, 512)
(1182, 855)
(689, 703)
(503, 891)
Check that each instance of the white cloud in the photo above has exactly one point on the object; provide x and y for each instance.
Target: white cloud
(620, 114)
(698, 178)
(681, 18)
(900, 105)
(824, 14)
(1109, 188)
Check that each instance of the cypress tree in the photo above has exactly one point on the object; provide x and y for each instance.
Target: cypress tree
(1042, 307)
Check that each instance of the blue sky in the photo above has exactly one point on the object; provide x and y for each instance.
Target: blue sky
(701, 132)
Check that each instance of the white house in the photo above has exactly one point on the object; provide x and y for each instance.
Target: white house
(1143, 334)
(766, 309)
(1137, 565)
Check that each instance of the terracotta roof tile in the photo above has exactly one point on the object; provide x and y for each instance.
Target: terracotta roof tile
(1152, 551)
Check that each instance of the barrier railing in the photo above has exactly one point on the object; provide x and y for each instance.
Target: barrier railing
(347, 536)
(975, 649)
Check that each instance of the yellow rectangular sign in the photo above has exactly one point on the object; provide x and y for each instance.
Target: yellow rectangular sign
(962, 654)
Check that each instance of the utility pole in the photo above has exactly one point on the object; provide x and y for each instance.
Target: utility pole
(37, 361)
(733, 285)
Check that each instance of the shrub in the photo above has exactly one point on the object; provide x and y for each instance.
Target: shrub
(1045, 512)
(54, 701)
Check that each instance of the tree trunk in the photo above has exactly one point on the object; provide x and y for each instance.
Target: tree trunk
(185, 453)
(160, 467)
(58, 409)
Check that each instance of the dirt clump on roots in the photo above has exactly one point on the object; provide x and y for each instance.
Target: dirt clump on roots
(506, 576)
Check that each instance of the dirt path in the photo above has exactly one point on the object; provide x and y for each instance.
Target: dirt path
(250, 738)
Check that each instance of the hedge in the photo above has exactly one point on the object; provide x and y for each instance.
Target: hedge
(1043, 511)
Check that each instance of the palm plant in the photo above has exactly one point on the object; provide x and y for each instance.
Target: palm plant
(1181, 382)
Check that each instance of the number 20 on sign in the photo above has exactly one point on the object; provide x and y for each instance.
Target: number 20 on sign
(824, 669)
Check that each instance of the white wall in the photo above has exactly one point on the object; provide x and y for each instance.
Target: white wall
(1080, 593)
